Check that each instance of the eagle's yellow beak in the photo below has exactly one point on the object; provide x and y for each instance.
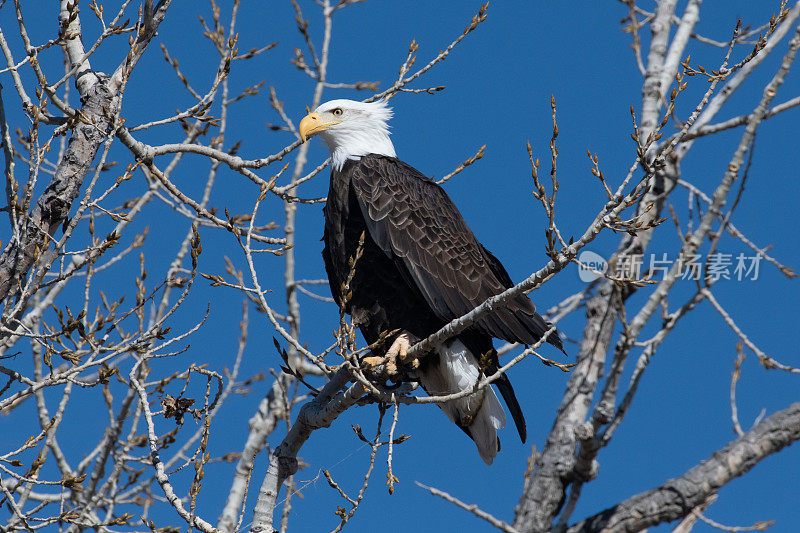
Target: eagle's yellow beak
(312, 124)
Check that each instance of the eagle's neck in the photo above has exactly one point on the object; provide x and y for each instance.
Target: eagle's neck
(355, 143)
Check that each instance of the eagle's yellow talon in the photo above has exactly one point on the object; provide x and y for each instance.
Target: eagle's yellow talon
(391, 365)
(398, 350)
(372, 362)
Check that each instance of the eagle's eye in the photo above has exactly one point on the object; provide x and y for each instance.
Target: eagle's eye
(337, 112)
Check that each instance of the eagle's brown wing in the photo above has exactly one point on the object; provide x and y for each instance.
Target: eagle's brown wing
(412, 220)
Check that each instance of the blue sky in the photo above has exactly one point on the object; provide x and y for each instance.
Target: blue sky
(499, 82)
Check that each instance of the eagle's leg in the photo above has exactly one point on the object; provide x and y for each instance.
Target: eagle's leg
(398, 349)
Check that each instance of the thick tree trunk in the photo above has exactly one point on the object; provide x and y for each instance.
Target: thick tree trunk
(54, 205)
(677, 497)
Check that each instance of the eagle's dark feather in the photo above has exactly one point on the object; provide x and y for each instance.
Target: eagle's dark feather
(421, 265)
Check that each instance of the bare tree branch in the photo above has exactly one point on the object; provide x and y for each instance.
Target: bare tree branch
(677, 497)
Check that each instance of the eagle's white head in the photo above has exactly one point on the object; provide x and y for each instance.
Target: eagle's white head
(350, 129)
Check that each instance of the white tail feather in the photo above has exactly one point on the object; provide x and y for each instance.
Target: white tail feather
(479, 413)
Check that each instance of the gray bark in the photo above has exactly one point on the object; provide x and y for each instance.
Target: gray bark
(557, 467)
(53, 207)
(270, 412)
(99, 106)
(543, 497)
(318, 413)
(678, 496)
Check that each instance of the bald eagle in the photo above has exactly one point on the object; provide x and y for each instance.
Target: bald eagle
(421, 267)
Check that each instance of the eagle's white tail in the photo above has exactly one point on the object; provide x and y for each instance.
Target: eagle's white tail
(479, 414)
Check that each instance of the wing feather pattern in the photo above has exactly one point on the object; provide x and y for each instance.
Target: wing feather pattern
(413, 221)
